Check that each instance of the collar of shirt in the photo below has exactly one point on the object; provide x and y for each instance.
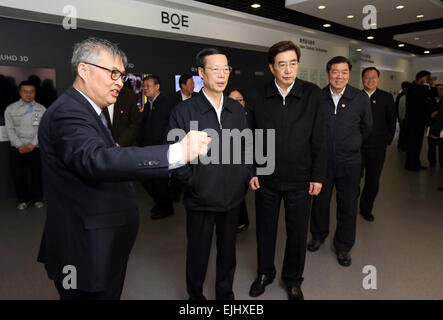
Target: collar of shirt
(369, 94)
(111, 112)
(93, 104)
(185, 97)
(282, 92)
(22, 103)
(337, 95)
(151, 102)
(217, 111)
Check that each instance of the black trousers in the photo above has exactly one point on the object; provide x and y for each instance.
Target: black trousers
(113, 292)
(414, 145)
(433, 144)
(296, 203)
(346, 179)
(373, 160)
(199, 230)
(159, 190)
(243, 217)
(402, 137)
(27, 175)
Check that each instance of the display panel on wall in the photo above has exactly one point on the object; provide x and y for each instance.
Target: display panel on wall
(11, 76)
(198, 83)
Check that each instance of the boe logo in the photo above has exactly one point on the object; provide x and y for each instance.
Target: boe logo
(175, 20)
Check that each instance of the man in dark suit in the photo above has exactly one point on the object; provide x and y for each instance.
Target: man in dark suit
(92, 214)
(153, 131)
(436, 129)
(348, 123)
(418, 111)
(186, 91)
(124, 118)
(382, 134)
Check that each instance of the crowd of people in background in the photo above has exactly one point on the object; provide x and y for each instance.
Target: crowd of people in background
(325, 138)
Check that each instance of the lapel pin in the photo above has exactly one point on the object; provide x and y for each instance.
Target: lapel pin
(343, 105)
(373, 101)
(121, 111)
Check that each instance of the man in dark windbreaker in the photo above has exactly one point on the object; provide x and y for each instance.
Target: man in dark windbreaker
(214, 190)
(348, 122)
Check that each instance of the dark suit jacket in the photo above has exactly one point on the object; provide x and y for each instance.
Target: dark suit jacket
(177, 97)
(127, 119)
(384, 119)
(438, 123)
(92, 213)
(155, 122)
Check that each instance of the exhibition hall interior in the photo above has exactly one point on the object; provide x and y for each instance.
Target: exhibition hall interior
(352, 210)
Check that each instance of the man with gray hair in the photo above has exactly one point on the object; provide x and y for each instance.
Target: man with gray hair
(92, 213)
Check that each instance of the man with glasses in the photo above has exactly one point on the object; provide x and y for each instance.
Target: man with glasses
(292, 108)
(213, 191)
(92, 213)
(374, 148)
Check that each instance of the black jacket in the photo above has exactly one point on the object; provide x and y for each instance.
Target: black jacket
(211, 187)
(418, 105)
(347, 125)
(384, 120)
(154, 123)
(177, 97)
(438, 123)
(300, 150)
(125, 126)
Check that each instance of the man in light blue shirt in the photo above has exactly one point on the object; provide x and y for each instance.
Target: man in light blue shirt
(22, 119)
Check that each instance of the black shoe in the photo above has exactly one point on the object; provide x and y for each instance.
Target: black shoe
(314, 244)
(242, 228)
(294, 293)
(258, 286)
(440, 188)
(344, 258)
(367, 216)
(432, 164)
(423, 168)
(161, 214)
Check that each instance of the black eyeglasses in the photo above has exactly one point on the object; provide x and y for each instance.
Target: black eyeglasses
(115, 74)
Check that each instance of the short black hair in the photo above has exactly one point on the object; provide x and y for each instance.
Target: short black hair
(405, 84)
(183, 79)
(338, 59)
(280, 47)
(26, 83)
(370, 68)
(154, 78)
(422, 74)
(200, 59)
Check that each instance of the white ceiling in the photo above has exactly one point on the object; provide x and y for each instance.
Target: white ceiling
(427, 39)
(387, 15)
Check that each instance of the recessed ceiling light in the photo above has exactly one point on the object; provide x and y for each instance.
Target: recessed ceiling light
(350, 16)
(420, 16)
(326, 25)
(412, 55)
(417, 38)
(370, 37)
(359, 49)
(399, 7)
(255, 5)
(427, 52)
(401, 45)
(321, 7)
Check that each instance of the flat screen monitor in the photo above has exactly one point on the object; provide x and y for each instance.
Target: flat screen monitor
(198, 83)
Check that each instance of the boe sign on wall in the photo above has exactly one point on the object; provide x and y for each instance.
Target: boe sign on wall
(175, 20)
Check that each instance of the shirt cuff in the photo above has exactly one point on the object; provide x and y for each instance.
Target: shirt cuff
(175, 156)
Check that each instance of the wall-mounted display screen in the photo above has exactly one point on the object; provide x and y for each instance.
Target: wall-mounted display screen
(198, 83)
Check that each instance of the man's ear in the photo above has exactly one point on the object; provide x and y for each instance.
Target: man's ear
(82, 70)
(200, 72)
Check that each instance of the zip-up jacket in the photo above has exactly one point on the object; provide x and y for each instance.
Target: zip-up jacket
(215, 186)
(347, 125)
